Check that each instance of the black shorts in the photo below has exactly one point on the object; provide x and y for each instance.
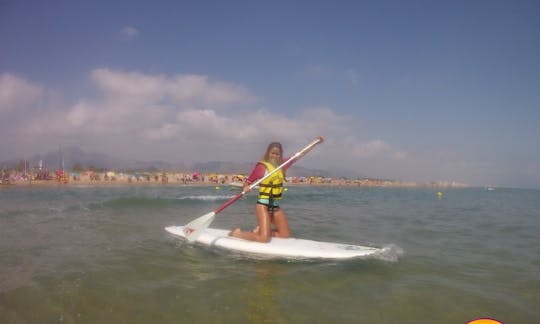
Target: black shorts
(270, 206)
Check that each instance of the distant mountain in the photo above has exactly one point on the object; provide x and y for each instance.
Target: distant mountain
(222, 167)
(246, 167)
(74, 156)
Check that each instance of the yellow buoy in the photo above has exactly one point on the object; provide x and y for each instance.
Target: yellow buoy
(217, 188)
(285, 189)
(439, 194)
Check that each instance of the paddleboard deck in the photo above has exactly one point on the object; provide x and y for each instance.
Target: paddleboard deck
(289, 248)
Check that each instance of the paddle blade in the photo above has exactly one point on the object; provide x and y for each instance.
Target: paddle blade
(194, 228)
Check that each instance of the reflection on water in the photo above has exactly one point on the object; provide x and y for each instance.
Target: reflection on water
(264, 303)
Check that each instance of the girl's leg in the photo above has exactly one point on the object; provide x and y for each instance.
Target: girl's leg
(265, 227)
(282, 226)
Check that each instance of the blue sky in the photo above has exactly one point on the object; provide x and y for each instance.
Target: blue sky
(410, 90)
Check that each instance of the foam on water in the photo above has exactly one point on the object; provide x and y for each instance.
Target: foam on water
(390, 253)
(205, 197)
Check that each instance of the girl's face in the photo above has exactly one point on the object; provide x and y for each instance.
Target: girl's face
(274, 155)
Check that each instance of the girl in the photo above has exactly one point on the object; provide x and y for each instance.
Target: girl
(267, 207)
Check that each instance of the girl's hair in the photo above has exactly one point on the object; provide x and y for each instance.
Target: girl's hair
(266, 156)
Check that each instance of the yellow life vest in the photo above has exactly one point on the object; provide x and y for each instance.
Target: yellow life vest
(271, 187)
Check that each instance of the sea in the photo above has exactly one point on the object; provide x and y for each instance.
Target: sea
(74, 254)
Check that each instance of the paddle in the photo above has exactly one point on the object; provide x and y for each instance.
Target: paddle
(193, 229)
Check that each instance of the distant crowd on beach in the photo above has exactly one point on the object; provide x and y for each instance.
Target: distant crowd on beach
(111, 177)
(42, 177)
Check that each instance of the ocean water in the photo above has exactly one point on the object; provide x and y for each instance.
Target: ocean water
(101, 255)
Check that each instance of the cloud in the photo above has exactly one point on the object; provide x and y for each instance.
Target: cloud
(129, 32)
(377, 149)
(17, 93)
(195, 90)
(183, 118)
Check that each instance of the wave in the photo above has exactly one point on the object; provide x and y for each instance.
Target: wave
(390, 253)
(137, 202)
(205, 197)
(149, 202)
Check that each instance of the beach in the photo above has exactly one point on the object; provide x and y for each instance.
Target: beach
(91, 178)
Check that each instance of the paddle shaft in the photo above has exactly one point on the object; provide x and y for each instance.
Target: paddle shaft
(290, 160)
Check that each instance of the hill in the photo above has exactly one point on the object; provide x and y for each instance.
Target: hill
(75, 157)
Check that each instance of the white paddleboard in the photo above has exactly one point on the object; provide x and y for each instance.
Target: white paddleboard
(290, 248)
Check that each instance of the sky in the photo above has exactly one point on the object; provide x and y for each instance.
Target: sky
(405, 90)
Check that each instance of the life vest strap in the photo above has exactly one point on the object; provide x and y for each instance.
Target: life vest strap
(274, 196)
(271, 185)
